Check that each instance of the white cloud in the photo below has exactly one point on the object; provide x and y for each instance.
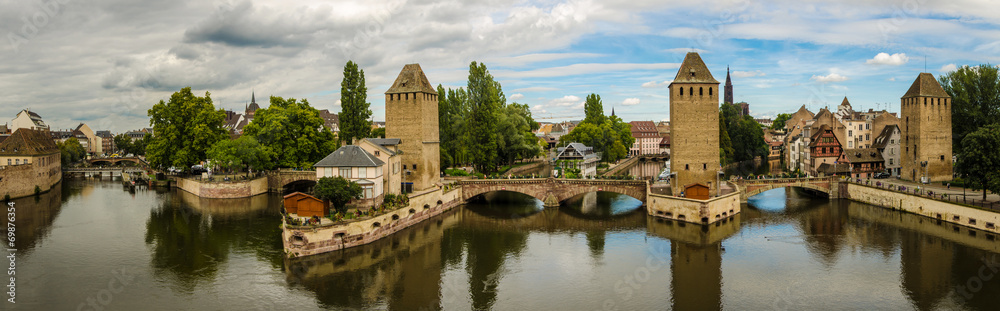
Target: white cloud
(949, 68)
(886, 59)
(516, 96)
(654, 84)
(568, 100)
(538, 109)
(748, 74)
(630, 101)
(892, 79)
(833, 77)
(685, 50)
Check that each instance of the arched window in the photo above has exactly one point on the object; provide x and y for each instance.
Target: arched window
(701, 91)
(691, 91)
(682, 91)
(709, 91)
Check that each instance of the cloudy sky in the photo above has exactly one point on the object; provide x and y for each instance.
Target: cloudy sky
(105, 62)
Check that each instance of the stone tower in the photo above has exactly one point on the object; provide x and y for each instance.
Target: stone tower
(411, 114)
(729, 88)
(926, 128)
(694, 126)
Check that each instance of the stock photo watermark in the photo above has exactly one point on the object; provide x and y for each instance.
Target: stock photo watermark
(657, 260)
(11, 253)
(35, 21)
(975, 283)
(120, 278)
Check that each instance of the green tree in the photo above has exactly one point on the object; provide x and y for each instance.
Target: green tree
(377, 133)
(338, 190)
(138, 147)
(779, 121)
(594, 109)
(612, 138)
(980, 158)
(515, 128)
(71, 151)
(185, 126)
(745, 134)
(975, 94)
(725, 144)
(355, 112)
(244, 152)
(486, 99)
(289, 128)
(123, 143)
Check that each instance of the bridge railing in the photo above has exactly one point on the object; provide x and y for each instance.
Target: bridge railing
(782, 180)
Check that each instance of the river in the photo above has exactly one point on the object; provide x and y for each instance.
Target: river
(91, 244)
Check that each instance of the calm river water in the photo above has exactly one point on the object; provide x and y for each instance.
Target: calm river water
(92, 244)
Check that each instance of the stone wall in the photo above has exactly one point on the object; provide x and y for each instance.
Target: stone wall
(945, 211)
(223, 190)
(553, 191)
(694, 211)
(20, 180)
(694, 134)
(305, 241)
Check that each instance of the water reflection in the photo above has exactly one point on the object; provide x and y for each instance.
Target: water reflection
(191, 236)
(35, 216)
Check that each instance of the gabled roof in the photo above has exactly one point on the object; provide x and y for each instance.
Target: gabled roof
(28, 142)
(644, 129)
(411, 80)
(863, 155)
(814, 139)
(925, 85)
(693, 70)
(576, 150)
(349, 156)
(883, 138)
(838, 168)
(845, 102)
(375, 142)
(665, 141)
(385, 141)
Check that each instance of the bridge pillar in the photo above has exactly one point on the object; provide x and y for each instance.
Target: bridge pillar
(834, 189)
(551, 200)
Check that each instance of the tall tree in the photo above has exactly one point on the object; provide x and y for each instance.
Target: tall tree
(612, 138)
(779, 121)
(355, 112)
(975, 93)
(294, 131)
(71, 151)
(242, 153)
(725, 144)
(594, 109)
(338, 190)
(980, 158)
(486, 99)
(185, 126)
(123, 143)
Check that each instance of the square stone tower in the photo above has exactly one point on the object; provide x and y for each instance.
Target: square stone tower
(925, 123)
(411, 114)
(694, 126)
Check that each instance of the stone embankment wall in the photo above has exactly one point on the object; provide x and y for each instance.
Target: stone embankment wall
(304, 241)
(623, 165)
(694, 211)
(945, 211)
(223, 190)
(20, 180)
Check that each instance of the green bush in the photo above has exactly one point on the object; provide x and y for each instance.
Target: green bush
(455, 172)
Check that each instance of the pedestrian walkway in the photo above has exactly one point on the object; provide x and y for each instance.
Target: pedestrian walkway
(955, 194)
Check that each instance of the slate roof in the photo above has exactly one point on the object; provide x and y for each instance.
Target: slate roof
(576, 150)
(665, 141)
(349, 156)
(28, 142)
(104, 134)
(385, 141)
(381, 146)
(863, 155)
(883, 138)
(814, 139)
(925, 85)
(830, 169)
(693, 70)
(411, 80)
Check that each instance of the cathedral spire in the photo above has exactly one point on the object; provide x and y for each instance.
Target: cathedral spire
(729, 88)
(612, 111)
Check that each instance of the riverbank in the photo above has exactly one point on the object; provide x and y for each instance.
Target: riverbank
(955, 213)
(302, 241)
(223, 189)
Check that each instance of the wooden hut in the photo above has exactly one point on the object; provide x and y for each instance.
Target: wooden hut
(305, 205)
(696, 191)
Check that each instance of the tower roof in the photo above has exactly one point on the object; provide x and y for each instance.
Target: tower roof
(410, 80)
(729, 82)
(693, 70)
(925, 85)
(845, 102)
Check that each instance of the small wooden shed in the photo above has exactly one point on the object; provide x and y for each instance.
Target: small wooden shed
(696, 191)
(305, 205)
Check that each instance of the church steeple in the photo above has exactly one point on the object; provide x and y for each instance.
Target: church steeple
(612, 111)
(729, 88)
(253, 97)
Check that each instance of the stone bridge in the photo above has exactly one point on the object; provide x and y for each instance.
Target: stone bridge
(553, 191)
(752, 187)
(114, 161)
(281, 178)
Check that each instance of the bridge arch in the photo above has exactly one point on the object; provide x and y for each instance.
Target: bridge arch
(553, 191)
(750, 188)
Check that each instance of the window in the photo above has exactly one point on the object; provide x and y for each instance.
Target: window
(369, 192)
(682, 91)
(868, 126)
(328, 171)
(687, 167)
(868, 136)
(17, 161)
(892, 141)
(414, 167)
(691, 91)
(890, 161)
(345, 172)
(704, 166)
(709, 91)
(404, 167)
(362, 172)
(376, 153)
(850, 133)
(701, 91)
(942, 157)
